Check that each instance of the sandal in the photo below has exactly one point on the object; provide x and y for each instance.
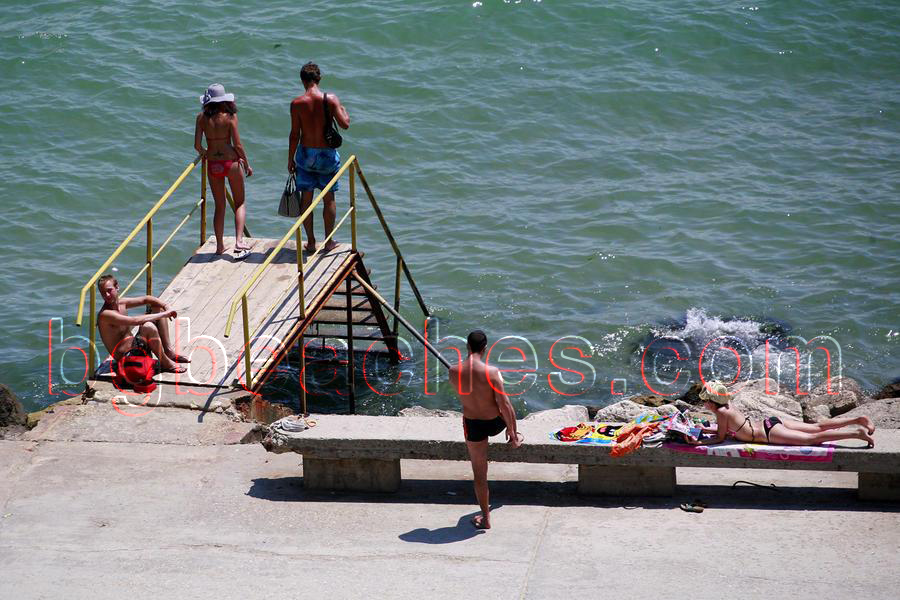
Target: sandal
(239, 254)
(692, 508)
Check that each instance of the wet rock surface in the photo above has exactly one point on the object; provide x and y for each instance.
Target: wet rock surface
(11, 411)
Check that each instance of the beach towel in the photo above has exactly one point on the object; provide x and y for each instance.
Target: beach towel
(759, 451)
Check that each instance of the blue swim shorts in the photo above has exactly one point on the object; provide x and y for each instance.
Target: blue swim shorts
(315, 167)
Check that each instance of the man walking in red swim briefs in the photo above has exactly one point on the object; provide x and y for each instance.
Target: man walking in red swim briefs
(486, 411)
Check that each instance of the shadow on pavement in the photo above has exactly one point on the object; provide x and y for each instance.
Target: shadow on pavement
(539, 493)
(463, 530)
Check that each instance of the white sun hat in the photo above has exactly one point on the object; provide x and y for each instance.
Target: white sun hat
(216, 93)
(715, 392)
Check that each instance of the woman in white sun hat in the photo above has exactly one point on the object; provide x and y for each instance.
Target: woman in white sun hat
(788, 432)
(225, 158)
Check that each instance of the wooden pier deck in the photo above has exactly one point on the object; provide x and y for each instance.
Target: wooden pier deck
(202, 293)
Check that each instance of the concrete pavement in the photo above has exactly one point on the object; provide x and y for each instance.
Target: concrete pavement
(107, 519)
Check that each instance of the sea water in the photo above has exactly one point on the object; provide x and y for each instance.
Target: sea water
(582, 179)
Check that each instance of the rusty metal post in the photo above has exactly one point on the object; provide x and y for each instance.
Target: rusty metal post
(351, 369)
(303, 410)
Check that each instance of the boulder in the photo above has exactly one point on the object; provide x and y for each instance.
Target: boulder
(33, 418)
(648, 400)
(620, 412)
(682, 405)
(891, 390)
(760, 385)
(692, 396)
(570, 413)
(666, 409)
(845, 395)
(815, 414)
(421, 411)
(11, 411)
(756, 404)
(884, 413)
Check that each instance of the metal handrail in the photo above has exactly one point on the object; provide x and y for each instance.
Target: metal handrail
(130, 237)
(291, 233)
(405, 323)
(240, 297)
(401, 263)
(145, 222)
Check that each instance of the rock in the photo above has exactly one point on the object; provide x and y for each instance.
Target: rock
(758, 405)
(845, 396)
(891, 390)
(570, 413)
(620, 412)
(648, 400)
(814, 414)
(34, 418)
(11, 411)
(884, 413)
(666, 409)
(421, 411)
(692, 396)
(682, 405)
(759, 385)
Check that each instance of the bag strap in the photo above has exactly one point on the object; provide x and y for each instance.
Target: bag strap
(325, 108)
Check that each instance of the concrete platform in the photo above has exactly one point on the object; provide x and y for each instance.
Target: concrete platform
(129, 424)
(88, 520)
(363, 453)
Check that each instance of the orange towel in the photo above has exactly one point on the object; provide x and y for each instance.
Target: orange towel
(631, 437)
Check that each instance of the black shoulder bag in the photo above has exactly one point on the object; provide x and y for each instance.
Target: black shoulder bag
(332, 137)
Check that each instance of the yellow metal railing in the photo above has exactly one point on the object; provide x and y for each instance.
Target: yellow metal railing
(351, 166)
(146, 224)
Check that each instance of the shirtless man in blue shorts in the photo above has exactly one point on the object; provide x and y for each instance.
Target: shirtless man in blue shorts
(486, 411)
(310, 159)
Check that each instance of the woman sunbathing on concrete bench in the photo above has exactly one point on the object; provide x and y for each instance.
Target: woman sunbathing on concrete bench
(772, 430)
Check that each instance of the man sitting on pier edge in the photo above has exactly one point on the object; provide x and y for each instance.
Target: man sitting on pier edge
(116, 327)
(486, 411)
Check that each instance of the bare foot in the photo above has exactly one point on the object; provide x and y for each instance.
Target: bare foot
(220, 250)
(310, 246)
(179, 358)
(241, 246)
(864, 435)
(867, 423)
(329, 246)
(481, 522)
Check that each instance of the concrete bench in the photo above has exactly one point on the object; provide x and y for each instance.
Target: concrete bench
(360, 453)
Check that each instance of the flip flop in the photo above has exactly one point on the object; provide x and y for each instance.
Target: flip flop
(175, 369)
(180, 358)
(239, 254)
(478, 522)
(692, 508)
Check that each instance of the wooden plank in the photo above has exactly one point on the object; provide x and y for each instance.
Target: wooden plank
(328, 276)
(277, 328)
(214, 315)
(204, 288)
(204, 304)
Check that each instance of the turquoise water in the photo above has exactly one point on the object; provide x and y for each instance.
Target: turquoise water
(552, 168)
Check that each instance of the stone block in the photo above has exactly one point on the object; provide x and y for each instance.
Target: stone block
(571, 413)
(879, 486)
(614, 480)
(352, 475)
